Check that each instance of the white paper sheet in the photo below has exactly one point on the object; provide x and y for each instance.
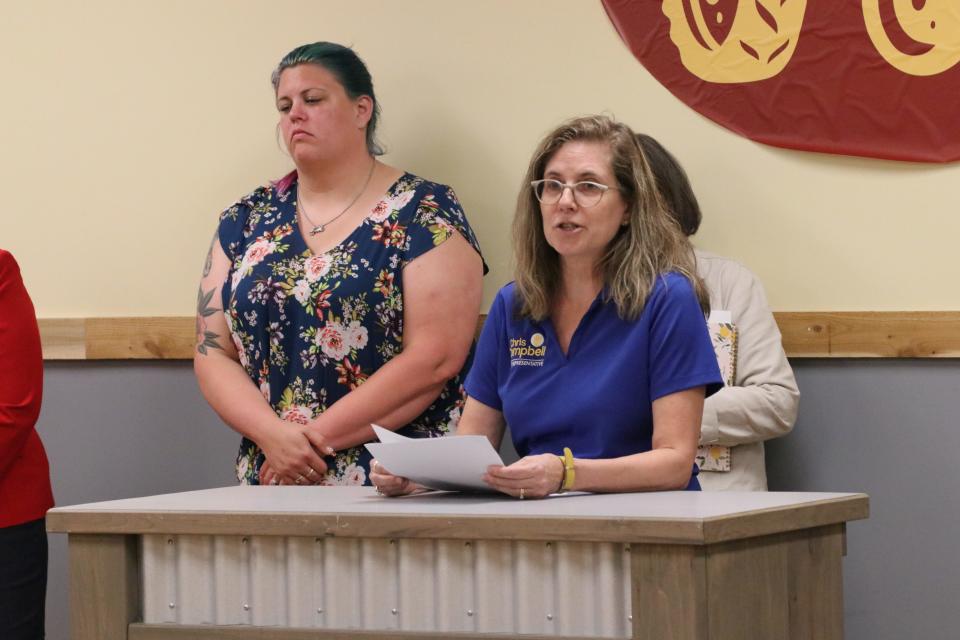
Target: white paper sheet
(451, 463)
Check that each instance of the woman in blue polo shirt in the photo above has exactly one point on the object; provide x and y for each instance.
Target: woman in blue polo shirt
(597, 356)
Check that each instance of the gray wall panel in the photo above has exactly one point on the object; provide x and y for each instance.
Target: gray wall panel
(889, 428)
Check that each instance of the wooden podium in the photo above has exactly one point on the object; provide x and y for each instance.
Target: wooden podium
(283, 563)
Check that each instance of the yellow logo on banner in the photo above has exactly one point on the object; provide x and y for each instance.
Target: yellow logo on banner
(935, 24)
(755, 43)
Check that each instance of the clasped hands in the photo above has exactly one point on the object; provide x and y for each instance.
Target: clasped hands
(530, 477)
(294, 455)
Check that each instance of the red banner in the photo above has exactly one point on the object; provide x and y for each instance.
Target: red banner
(876, 78)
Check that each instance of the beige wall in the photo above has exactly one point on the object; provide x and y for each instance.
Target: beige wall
(128, 125)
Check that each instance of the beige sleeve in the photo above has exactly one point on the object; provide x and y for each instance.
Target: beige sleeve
(763, 403)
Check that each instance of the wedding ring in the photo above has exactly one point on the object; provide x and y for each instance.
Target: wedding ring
(310, 473)
(300, 479)
(521, 493)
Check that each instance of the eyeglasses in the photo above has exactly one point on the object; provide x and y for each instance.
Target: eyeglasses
(585, 193)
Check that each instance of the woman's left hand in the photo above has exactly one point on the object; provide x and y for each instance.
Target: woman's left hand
(530, 477)
(390, 485)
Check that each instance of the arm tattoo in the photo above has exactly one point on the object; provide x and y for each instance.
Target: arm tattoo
(206, 339)
(208, 263)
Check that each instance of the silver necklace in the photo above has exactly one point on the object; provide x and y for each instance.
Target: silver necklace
(320, 228)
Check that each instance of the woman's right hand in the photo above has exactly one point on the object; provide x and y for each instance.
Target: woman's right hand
(390, 485)
(294, 453)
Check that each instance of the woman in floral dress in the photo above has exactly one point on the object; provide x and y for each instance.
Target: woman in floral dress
(345, 293)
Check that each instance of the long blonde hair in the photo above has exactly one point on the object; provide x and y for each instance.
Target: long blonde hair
(651, 244)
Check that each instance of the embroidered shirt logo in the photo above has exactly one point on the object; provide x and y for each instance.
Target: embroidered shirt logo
(524, 353)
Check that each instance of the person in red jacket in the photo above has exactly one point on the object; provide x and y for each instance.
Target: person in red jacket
(25, 493)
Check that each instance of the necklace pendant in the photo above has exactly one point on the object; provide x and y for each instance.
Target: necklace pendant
(317, 229)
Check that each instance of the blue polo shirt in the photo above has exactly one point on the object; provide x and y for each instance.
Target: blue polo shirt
(597, 399)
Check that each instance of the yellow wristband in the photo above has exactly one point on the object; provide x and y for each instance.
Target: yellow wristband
(568, 472)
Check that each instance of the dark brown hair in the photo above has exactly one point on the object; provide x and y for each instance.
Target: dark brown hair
(673, 184)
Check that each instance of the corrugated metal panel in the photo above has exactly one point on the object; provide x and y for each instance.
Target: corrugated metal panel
(153, 563)
(453, 576)
(378, 586)
(416, 585)
(342, 584)
(194, 574)
(268, 570)
(301, 556)
(496, 595)
(548, 588)
(231, 575)
(534, 584)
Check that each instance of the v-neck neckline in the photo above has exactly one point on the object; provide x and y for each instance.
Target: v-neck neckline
(294, 193)
(575, 338)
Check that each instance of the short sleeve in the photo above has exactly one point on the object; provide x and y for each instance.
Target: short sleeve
(437, 217)
(681, 354)
(233, 222)
(482, 382)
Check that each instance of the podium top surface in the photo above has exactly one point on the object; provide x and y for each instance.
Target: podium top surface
(681, 517)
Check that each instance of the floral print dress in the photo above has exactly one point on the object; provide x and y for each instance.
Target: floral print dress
(309, 327)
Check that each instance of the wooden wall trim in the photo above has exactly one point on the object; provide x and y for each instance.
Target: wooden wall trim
(806, 334)
(870, 334)
(156, 338)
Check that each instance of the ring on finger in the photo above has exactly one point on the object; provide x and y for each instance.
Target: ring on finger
(310, 472)
(521, 493)
(300, 479)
